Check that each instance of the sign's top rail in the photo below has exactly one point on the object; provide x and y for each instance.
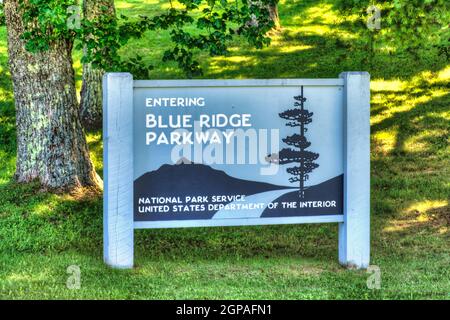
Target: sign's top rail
(238, 83)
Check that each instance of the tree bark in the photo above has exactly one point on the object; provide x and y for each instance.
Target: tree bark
(51, 146)
(273, 12)
(91, 90)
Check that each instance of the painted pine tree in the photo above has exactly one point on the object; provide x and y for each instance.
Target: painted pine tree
(297, 153)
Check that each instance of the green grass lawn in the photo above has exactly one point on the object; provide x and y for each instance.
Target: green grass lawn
(42, 234)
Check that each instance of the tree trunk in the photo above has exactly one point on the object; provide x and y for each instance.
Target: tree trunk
(273, 12)
(51, 146)
(91, 90)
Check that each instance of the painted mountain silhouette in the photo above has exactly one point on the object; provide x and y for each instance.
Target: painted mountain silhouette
(186, 178)
(330, 190)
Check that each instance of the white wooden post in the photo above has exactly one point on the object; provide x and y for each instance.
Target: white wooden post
(354, 232)
(118, 229)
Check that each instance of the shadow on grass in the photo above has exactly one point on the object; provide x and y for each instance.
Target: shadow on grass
(35, 221)
(303, 55)
(417, 120)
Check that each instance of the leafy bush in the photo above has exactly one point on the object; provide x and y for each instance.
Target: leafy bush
(407, 25)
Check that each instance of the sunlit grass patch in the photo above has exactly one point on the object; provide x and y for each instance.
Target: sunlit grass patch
(78, 67)
(427, 206)
(136, 7)
(443, 75)
(231, 63)
(433, 214)
(5, 84)
(396, 85)
(384, 141)
(416, 107)
(297, 48)
(95, 143)
(7, 168)
(421, 141)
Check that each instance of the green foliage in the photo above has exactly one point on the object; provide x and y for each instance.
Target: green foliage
(216, 23)
(418, 23)
(407, 25)
(2, 15)
(46, 21)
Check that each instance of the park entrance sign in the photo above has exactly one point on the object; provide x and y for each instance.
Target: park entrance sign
(196, 153)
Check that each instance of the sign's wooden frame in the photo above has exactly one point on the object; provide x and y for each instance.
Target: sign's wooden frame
(118, 222)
